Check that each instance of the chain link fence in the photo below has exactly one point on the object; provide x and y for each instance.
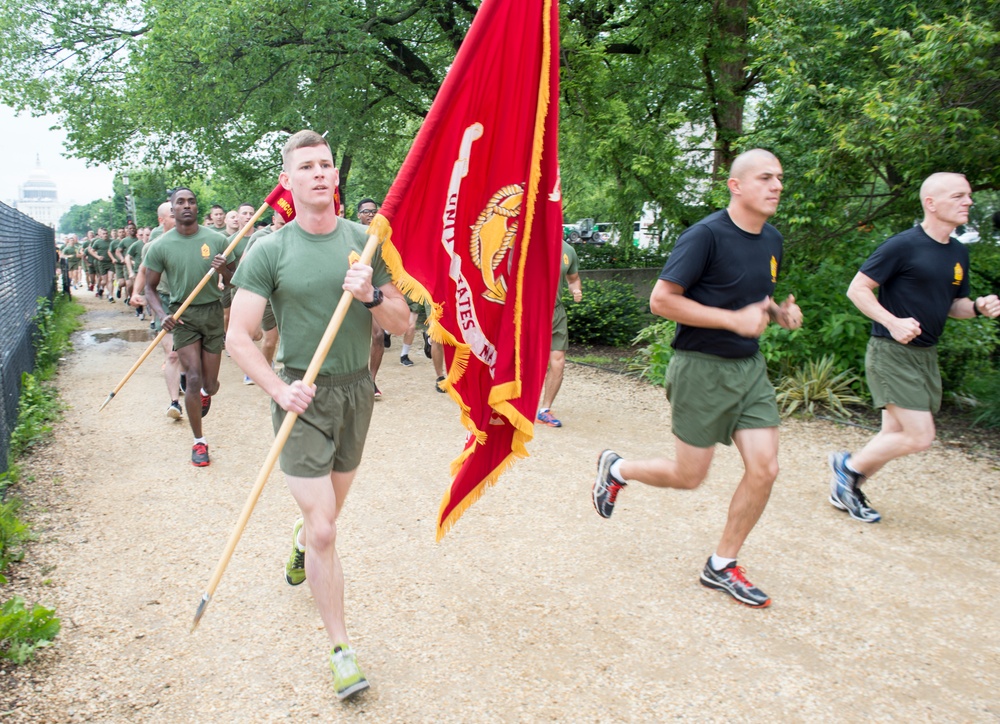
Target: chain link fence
(27, 272)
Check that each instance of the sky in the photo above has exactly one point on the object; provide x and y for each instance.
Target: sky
(22, 137)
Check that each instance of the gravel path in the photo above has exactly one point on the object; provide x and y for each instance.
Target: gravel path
(532, 608)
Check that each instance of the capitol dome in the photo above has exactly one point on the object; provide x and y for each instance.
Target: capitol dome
(39, 186)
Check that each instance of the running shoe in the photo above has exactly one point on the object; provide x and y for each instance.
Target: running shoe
(184, 382)
(378, 392)
(427, 345)
(733, 580)
(437, 385)
(348, 679)
(118, 292)
(199, 455)
(152, 326)
(405, 360)
(247, 380)
(606, 486)
(174, 411)
(295, 567)
(547, 418)
(90, 287)
(845, 490)
(206, 404)
(386, 340)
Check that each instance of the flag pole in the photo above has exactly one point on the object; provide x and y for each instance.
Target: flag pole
(319, 356)
(184, 305)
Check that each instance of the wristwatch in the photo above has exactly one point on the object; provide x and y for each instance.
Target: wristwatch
(377, 298)
(975, 308)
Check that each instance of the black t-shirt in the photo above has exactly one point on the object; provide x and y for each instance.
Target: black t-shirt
(721, 265)
(918, 277)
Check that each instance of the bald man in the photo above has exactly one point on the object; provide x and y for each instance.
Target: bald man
(922, 278)
(717, 285)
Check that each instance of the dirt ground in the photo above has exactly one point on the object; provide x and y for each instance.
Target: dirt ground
(533, 608)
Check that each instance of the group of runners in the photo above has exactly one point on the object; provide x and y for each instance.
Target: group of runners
(717, 284)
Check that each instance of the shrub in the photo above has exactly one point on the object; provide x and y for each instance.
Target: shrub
(13, 535)
(23, 630)
(817, 384)
(609, 314)
(985, 392)
(651, 361)
(967, 347)
(612, 256)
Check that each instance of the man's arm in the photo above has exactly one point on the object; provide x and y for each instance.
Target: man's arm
(244, 318)
(862, 294)
(787, 314)
(138, 287)
(153, 299)
(965, 308)
(668, 301)
(575, 286)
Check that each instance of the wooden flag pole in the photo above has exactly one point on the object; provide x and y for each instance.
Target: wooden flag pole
(187, 302)
(319, 356)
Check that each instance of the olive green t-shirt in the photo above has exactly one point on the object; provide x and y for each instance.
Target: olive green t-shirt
(164, 286)
(101, 247)
(302, 274)
(135, 251)
(187, 259)
(257, 236)
(156, 233)
(69, 250)
(121, 246)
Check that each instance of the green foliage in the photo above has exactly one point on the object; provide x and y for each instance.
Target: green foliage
(818, 385)
(651, 361)
(39, 406)
(614, 256)
(13, 534)
(54, 324)
(23, 630)
(985, 391)
(967, 348)
(609, 314)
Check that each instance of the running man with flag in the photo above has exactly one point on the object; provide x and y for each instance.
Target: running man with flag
(304, 268)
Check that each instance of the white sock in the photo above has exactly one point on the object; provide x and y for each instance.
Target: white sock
(205, 393)
(718, 563)
(201, 440)
(298, 541)
(616, 470)
(406, 350)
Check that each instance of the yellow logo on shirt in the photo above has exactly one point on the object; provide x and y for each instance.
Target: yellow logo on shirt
(958, 275)
(206, 253)
(774, 270)
(565, 259)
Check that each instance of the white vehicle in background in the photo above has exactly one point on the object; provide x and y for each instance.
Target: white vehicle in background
(646, 232)
(966, 234)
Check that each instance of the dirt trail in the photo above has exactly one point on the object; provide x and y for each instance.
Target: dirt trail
(532, 608)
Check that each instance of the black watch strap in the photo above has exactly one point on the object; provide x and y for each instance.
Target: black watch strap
(377, 298)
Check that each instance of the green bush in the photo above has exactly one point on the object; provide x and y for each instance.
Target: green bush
(651, 361)
(39, 406)
(13, 535)
(967, 348)
(612, 256)
(609, 314)
(985, 391)
(817, 385)
(24, 630)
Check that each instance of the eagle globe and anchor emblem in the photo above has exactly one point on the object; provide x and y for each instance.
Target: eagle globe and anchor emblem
(493, 235)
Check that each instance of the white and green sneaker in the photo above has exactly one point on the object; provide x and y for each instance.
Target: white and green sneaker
(348, 679)
(295, 568)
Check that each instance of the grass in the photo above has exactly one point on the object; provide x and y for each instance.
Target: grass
(591, 359)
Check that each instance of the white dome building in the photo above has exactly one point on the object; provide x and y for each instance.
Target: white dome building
(37, 197)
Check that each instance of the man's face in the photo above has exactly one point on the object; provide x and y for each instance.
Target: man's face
(102, 232)
(246, 213)
(130, 230)
(168, 221)
(760, 187)
(311, 176)
(218, 217)
(277, 221)
(233, 221)
(366, 212)
(952, 202)
(185, 207)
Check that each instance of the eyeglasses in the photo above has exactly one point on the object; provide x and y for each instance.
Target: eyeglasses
(367, 212)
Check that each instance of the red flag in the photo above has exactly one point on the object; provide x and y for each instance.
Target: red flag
(473, 223)
(281, 201)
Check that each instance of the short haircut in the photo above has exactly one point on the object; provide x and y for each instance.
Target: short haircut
(247, 203)
(216, 206)
(179, 188)
(302, 139)
(366, 200)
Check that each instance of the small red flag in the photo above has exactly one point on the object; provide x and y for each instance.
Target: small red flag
(281, 201)
(473, 223)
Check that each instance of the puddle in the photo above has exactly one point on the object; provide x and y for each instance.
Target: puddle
(127, 335)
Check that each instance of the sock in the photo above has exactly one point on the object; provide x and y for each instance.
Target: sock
(718, 563)
(406, 350)
(858, 477)
(205, 393)
(298, 541)
(616, 470)
(201, 440)
(543, 409)
(174, 402)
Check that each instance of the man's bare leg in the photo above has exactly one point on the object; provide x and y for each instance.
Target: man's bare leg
(321, 500)
(759, 449)
(903, 432)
